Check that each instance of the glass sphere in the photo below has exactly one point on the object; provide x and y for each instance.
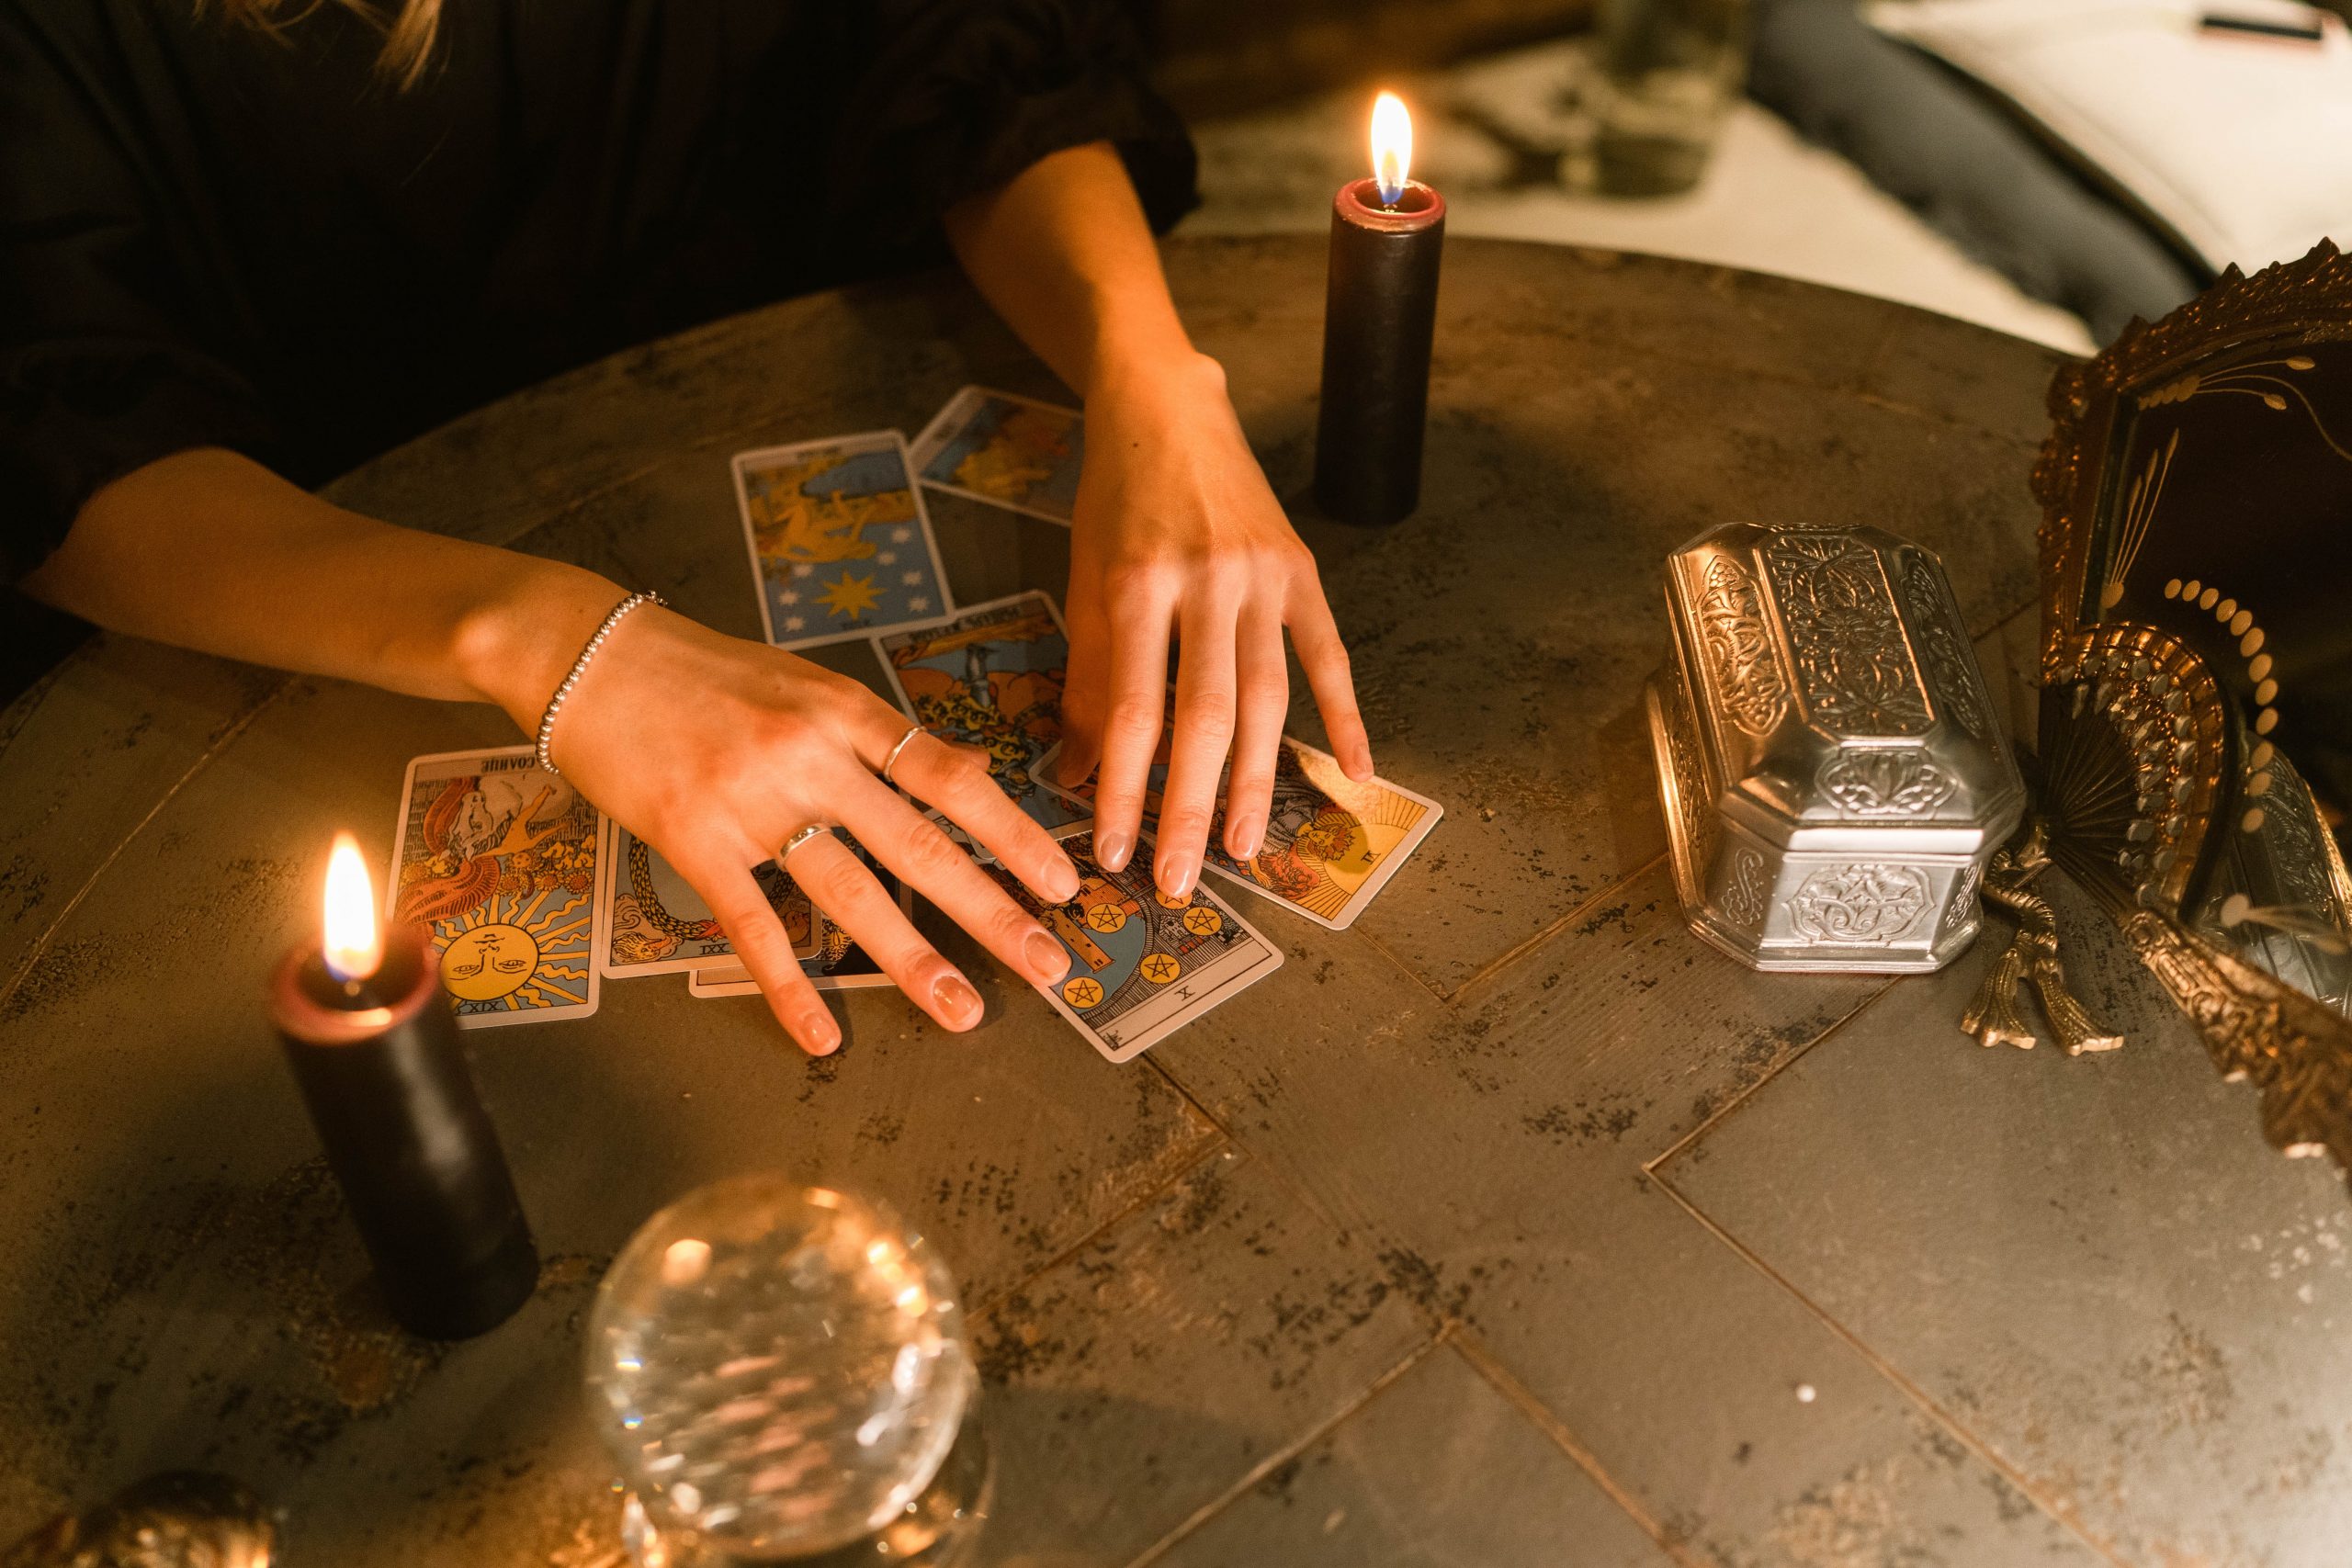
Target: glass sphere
(780, 1368)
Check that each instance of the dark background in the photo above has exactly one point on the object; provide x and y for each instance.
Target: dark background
(1223, 56)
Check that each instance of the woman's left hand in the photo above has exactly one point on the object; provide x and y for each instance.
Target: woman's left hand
(1178, 534)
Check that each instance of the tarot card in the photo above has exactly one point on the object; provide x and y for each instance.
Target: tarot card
(660, 925)
(498, 860)
(1332, 844)
(840, 545)
(1142, 965)
(836, 963)
(1006, 450)
(991, 676)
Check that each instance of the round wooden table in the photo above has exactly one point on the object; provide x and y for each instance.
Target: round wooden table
(1512, 1225)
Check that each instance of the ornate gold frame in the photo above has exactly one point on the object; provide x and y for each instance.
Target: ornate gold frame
(2296, 1051)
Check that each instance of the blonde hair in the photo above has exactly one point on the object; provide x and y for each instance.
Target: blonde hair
(408, 35)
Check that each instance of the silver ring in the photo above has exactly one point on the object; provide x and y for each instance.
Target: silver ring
(892, 759)
(814, 829)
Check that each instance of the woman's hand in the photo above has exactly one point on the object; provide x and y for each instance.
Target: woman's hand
(1178, 533)
(768, 744)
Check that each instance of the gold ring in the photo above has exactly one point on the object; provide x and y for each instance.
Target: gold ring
(892, 759)
(813, 831)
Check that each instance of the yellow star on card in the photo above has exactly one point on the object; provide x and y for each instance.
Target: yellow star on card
(850, 595)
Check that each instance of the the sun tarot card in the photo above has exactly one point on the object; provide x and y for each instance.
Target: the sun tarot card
(497, 859)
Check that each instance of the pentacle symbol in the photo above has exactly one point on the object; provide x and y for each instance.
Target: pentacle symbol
(1105, 918)
(1082, 993)
(1159, 968)
(1168, 903)
(1202, 920)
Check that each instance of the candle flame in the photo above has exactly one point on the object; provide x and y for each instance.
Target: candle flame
(1392, 147)
(355, 947)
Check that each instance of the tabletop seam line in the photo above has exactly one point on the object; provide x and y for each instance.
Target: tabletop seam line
(1403, 969)
(1283, 1455)
(42, 945)
(1657, 1163)
(1902, 1384)
(1495, 966)
(1485, 1363)
(1217, 1143)
(1275, 1170)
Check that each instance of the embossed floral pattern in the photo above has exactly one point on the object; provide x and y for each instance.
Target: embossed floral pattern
(1746, 886)
(1857, 905)
(1740, 655)
(1885, 782)
(1854, 669)
(1963, 898)
(1941, 648)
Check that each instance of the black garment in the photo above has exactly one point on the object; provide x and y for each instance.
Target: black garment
(212, 237)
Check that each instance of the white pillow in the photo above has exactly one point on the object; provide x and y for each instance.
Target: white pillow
(2241, 145)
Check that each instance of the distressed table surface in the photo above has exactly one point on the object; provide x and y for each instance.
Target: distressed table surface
(1505, 1227)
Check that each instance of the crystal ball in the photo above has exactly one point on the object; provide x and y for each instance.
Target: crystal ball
(779, 1368)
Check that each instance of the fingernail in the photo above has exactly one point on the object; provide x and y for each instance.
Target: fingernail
(1047, 960)
(1112, 849)
(819, 1035)
(1245, 839)
(1175, 880)
(958, 1003)
(1061, 882)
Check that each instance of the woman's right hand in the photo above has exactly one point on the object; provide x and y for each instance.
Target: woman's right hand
(716, 751)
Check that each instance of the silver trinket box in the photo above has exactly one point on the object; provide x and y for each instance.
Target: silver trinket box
(1833, 769)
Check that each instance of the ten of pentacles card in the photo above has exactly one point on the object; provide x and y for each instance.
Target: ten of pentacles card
(657, 924)
(840, 545)
(1332, 844)
(991, 677)
(1142, 964)
(836, 963)
(1006, 450)
(498, 860)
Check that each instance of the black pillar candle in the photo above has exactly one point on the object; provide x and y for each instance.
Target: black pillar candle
(1379, 314)
(384, 1072)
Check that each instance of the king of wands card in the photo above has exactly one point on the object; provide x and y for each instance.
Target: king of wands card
(840, 545)
(1330, 843)
(498, 860)
(1006, 450)
(659, 925)
(991, 677)
(1142, 964)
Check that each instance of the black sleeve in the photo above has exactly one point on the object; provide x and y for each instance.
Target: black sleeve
(963, 94)
(100, 368)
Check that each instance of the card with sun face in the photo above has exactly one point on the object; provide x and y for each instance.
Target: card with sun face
(657, 924)
(840, 545)
(991, 677)
(1006, 450)
(499, 860)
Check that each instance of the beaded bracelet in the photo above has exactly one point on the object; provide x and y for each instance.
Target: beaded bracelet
(555, 703)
